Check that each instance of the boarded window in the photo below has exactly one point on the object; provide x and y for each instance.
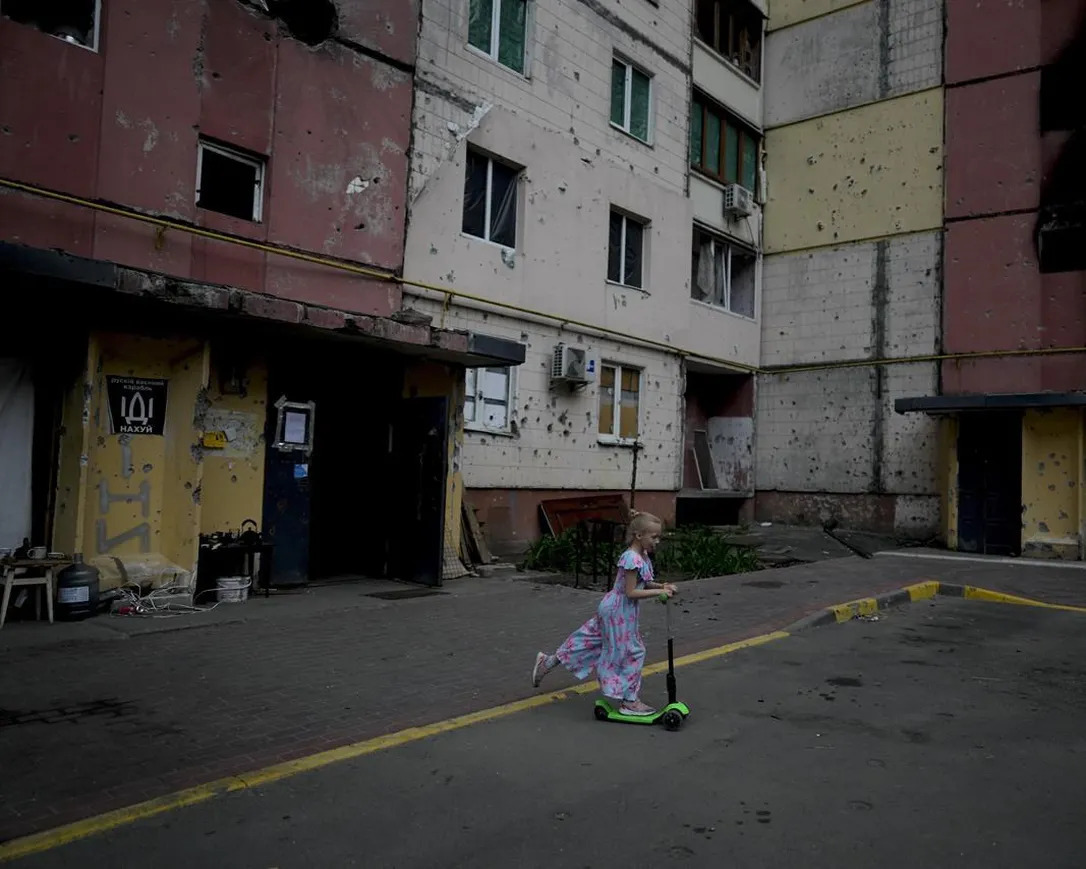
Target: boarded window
(490, 199)
(499, 29)
(723, 274)
(733, 29)
(488, 398)
(631, 99)
(625, 250)
(721, 146)
(619, 402)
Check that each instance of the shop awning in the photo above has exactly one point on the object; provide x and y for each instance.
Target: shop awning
(989, 401)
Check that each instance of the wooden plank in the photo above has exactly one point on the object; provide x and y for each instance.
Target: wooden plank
(475, 535)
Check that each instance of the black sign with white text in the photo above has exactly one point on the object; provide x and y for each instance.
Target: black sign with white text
(137, 405)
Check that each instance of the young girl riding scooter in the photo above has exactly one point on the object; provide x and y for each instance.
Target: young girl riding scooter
(610, 642)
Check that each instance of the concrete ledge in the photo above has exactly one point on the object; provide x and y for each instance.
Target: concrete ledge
(928, 590)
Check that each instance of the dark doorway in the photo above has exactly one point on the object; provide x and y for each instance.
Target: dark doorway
(329, 513)
(990, 483)
(420, 444)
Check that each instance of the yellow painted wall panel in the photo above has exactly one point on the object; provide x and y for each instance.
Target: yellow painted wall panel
(1051, 482)
(233, 484)
(183, 473)
(948, 478)
(141, 492)
(70, 506)
(783, 13)
(869, 172)
(433, 380)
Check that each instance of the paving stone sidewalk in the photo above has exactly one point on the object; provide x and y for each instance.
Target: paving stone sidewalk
(110, 714)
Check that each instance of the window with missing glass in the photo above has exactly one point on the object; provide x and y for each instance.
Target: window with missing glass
(721, 146)
(490, 199)
(619, 403)
(723, 274)
(631, 99)
(229, 182)
(733, 29)
(626, 250)
(499, 29)
(74, 21)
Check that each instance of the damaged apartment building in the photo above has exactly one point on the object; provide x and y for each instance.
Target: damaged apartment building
(765, 260)
(585, 181)
(202, 222)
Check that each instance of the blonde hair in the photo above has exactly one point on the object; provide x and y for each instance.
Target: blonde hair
(640, 523)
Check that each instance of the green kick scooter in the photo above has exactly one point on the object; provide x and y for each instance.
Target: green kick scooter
(672, 715)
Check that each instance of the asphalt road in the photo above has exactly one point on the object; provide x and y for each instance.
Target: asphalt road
(947, 733)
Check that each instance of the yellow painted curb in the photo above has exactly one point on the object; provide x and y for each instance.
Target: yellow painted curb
(49, 839)
(972, 592)
(922, 590)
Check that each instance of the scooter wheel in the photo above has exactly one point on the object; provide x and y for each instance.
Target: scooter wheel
(673, 720)
(601, 713)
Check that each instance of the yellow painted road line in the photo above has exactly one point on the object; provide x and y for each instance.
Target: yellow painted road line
(973, 592)
(49, 839)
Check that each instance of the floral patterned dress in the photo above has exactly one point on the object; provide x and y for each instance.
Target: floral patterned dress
(610, 642)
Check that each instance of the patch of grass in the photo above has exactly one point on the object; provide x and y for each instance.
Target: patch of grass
(685, 553)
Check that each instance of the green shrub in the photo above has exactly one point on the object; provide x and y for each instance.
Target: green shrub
(685, 553)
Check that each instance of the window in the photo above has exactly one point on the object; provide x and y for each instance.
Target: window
(631, 99)
(229, 182)
(733, 29)
(620, 402)
(488, 397)
(74, 21)
(499, 29)
(721, 146)
(625, 250)
(723, 274)
(490, 200)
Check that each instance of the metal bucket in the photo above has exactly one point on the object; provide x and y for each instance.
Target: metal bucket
(233, 589)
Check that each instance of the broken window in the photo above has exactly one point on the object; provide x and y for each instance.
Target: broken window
(733, 29)
(722, 274)
(499, 29)
(490, 200)
(74, 21)
(721, 146)
(488, 397)
(619, 402)
(229, 182)
(625, 250)
(631, 99)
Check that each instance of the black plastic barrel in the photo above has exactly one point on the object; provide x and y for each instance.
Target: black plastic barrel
(77, 591)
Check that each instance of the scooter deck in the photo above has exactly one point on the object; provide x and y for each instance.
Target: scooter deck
(611, 713)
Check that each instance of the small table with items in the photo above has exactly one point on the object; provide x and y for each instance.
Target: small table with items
(43, 572)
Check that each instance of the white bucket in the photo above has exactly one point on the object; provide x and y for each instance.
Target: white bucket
(233, 589)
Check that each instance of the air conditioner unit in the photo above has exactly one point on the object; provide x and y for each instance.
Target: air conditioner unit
(571, 365)
(738, 201)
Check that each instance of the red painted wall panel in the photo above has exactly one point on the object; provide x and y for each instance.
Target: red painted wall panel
(325, 139)
(387, 27)
(124, 124)
(992, 296)
(50, 109)
(990, 37)
(237, 86)
(998, 161)
(993, 161)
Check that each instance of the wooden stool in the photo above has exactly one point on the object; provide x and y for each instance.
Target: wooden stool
(12, 581)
